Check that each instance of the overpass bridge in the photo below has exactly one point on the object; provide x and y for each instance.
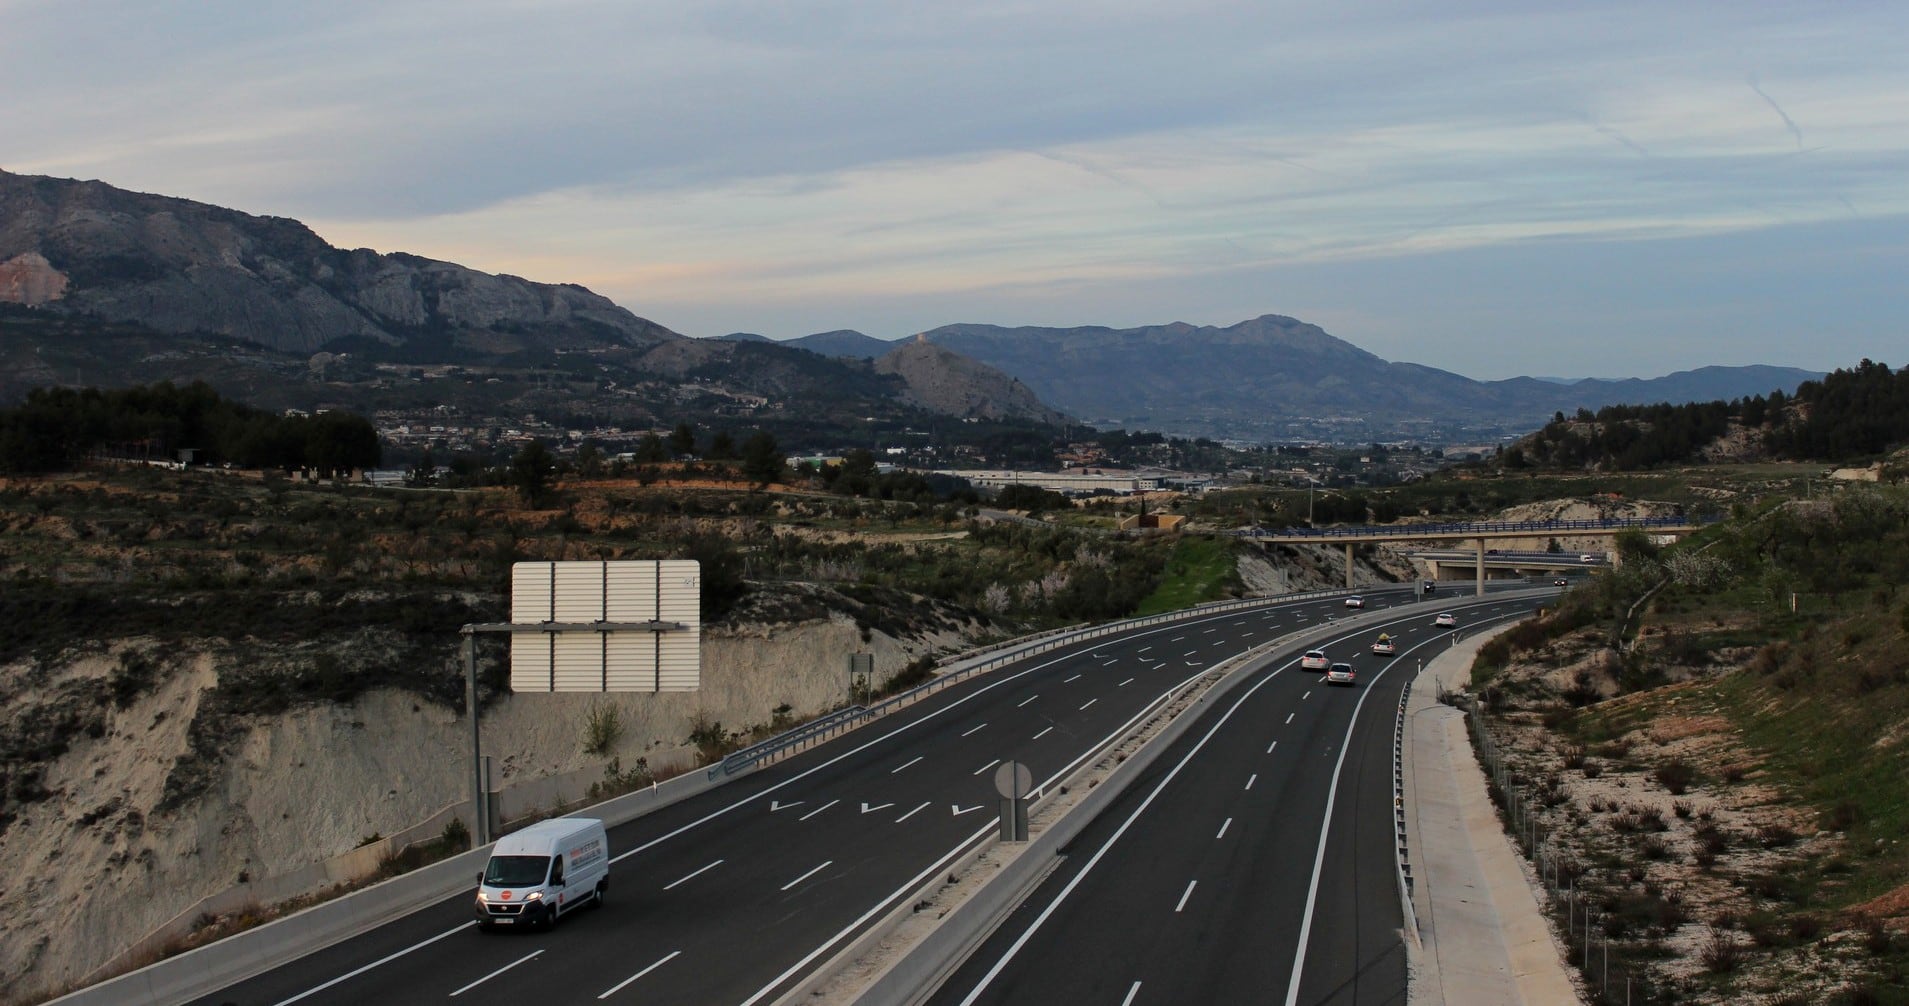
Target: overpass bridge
(1479, 533)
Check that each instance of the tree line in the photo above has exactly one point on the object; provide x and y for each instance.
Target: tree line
(1848, 415)
(55, 429)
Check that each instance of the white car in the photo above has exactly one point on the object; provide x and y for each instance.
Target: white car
(1384, 646)
(1340, 674)
(1314, 660)
(1446, 620)
(1587, 557)
(1355, 601)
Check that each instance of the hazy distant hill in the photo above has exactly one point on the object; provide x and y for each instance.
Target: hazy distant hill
(945, 381)
(173, 265)
(1260, 377)
(844, 342)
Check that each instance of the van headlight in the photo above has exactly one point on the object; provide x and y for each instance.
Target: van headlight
(533, 896)
(480, 897)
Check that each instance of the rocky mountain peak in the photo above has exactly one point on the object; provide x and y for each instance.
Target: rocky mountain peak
(175, 265)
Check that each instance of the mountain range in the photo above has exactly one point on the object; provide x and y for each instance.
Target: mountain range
(186, 287)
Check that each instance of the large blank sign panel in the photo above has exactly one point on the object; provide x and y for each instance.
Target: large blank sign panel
(655, 607)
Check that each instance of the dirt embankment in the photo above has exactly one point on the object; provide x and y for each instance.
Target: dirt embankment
(102, 859)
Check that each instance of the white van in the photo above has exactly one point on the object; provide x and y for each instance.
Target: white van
(541, 873)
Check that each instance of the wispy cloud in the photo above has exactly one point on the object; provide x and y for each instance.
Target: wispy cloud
(733, 165)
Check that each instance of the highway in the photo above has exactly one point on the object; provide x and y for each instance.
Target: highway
(735, 895)
(1253, 862)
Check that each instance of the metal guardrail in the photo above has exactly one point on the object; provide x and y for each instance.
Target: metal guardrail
(846, 719)
(816, 729)
(1398, 811)
(1481, 527)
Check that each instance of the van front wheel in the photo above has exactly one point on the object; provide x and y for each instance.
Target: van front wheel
(596, 898)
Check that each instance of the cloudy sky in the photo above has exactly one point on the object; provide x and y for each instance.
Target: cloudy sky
(1585, 190)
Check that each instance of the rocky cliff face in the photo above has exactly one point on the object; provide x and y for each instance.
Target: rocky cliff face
(179, 266)
(945, 381)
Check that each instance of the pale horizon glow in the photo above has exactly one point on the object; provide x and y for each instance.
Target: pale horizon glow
(1615, 190)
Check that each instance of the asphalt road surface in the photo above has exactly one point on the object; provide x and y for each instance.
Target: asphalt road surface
(735, 895)
(1253, 862)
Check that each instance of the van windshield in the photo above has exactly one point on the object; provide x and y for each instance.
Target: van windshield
(516, 871)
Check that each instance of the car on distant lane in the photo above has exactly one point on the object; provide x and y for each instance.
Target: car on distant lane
(1445, 620)
(1355, 601)
(1560, 582)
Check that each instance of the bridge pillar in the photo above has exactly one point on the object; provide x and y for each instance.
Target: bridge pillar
(1480, 563)
(1348, 565)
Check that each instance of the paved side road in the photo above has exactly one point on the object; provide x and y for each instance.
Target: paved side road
(1483, 938)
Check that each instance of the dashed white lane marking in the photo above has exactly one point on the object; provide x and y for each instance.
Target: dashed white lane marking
(1028, 700)
(1228, 823)
(904, 765)
(1130, 994)
(1289, 717)
(1043, 733)
(1270, 747)
(986, 767)
(1125, 683)
(1089, 703)
(911, 813)
(497, 972)
(1306, 696)
(691, 876)
(1073, 679)
(618, 987)
(380, 962)
(818, 810)
(807, 875)
(1251, 781)
(975, 730)
(1189, 893)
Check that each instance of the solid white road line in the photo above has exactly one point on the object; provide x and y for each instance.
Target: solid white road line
(905, 764)
(1253, 779)
(497, 972)
(1189, 893)
(1325, 829)
(1046, 913)
(1228, 823)
(379, 962)
(1130, 994)
(818, 810)
(975, 730)
(693, 876)
(986, 767)
(619, 986)
(745, 801)
(807, 875)
(1044, 733)
(911, 813)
